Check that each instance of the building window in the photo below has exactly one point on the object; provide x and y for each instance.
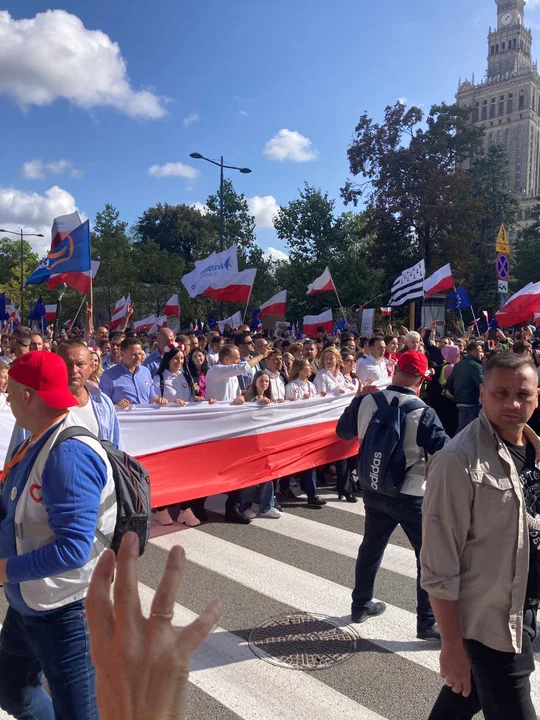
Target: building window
(521, 100)
(484, 110)
(504, 46)
(492, 108)
(490, 138)
(476, 113)
(510, 104)
(501, 105)
(493, 49)
(496, 49)
(514, 43)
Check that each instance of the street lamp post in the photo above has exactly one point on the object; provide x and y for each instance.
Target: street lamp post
(22, 235)
(221, 166)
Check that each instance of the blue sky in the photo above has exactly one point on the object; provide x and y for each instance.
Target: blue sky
(160, 80)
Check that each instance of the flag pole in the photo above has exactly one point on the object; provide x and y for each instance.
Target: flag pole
(247, 303)
(412, 313)
(79, 310)
(339, 301)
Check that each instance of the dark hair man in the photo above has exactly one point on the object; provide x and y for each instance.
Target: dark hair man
(481, 553)
(464, 384)
(128, 382)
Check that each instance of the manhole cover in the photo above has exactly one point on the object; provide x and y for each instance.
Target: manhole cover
(303, 641)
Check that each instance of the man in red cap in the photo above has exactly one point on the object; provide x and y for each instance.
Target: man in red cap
(423, 434)
(53, 500)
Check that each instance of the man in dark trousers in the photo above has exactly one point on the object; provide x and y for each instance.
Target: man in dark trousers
(424, 434)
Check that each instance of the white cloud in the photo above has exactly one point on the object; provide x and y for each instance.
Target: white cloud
(263, 209)
(243, 113)
(532, 4)
(58, 166)
(76, 174)
(402, 100)
(201, 207)
(191, 118)
(290, 145)
(274, 254)
(32, 170)
(53, 55)
(35, 213)
(177, 169)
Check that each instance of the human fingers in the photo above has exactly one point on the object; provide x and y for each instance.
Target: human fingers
(196, 632)
(180, 402)
(467, 686)
(457, 687)
(127, 605)
(165, 597)
(99, 609)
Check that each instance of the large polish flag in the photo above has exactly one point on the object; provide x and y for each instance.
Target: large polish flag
(144, 325)
(232, 288)
(277, 305)
(173, 306)
(50, 312)
(213, 269)
(324, 283)
(521, 307)
(312, 323)
(119, 312)
(438, 282)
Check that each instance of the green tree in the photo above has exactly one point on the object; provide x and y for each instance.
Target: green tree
(528, 252)
(238, 222)
(10, 272)
(158, 276)
(178, 229)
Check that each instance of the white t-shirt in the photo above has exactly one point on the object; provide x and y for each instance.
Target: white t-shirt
(222, 381)
(351, 384)
(85, 416)
(297, 390)
(176, 387)
(368, 368)
(213, 358)
(3, 400)
(277, 385)
(328, 383)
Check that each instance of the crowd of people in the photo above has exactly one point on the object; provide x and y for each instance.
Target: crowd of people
(465, 401)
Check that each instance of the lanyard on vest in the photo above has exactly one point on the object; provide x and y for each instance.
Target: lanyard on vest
(26, 445)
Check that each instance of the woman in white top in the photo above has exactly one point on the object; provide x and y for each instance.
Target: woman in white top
(4, 370)
(329, 380)
(299, 387)
(347, 370)
(171, 383)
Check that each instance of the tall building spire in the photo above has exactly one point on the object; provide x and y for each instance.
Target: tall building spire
(509, 46)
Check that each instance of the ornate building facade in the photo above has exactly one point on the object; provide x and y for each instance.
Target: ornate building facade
(507, 100)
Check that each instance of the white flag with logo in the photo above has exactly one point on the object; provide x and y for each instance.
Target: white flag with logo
(216, 267)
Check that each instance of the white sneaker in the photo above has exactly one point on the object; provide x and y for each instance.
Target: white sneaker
(249, 514)
(187, 517)
(163, 517)
(270, 513)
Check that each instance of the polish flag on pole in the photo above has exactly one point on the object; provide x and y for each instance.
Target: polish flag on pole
(50, 312)
(386, 310)
(234, 287)
(439, 281)
(324, 283)
(486, 316)
(62, 226)
(275, 306)
(313, 323)
(161, 322)
(144, 325)
(173, 306)
(68, 324)
(521, 307)
(119, 312)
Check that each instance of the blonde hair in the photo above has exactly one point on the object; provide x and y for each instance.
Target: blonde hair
(333, 351)
(96, 374)
(297, 366)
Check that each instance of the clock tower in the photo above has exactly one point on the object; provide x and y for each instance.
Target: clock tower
(507, 100)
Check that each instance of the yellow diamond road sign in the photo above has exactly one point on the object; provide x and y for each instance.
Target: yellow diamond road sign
(502, 244)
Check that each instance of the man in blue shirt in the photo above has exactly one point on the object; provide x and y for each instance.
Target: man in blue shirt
(112, 358)
(52, 502)
(164, 337)
(128, 383)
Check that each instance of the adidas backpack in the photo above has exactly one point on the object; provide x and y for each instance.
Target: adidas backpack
(382, 466)
(132, 483)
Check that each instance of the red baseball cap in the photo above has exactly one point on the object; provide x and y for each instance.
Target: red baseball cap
(413, 362)
(46, 373)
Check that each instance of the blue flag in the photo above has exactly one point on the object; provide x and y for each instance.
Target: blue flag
(38, 311)
(255, 318)
(71, 255)
(211, 322)
(459, 300)
(3, 314)
(340, 326)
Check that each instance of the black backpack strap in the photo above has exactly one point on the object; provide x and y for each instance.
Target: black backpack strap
(161, 383)
(411, 406)
(73, 432)
(380, 400)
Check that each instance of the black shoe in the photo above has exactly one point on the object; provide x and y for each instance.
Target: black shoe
(372, 609)
(348, 497)
(316, 501)
(200, 514)
(235, 516)
(428, 633)
(288, 494)
(277, 506)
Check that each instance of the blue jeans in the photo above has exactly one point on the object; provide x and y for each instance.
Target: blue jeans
(55, 644)
(466, 415)
(266, 500)
(308, 482)
(383, 515)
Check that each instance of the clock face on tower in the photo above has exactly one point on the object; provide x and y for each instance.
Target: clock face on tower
(507, 19)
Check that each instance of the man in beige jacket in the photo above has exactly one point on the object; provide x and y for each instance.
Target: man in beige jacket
(481, 550)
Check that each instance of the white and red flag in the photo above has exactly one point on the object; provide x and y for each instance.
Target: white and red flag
(440, 281)
(315, 323)
(216, 268)
(50, 312)
(160, 322)
(173, 306)
(62, 226)
(521, 307)
(144, 325)
(119, 312)
(277, 305)
(232, 287)
(324, 283)
(386, 310)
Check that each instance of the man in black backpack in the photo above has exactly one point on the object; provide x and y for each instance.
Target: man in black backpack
(391, 497)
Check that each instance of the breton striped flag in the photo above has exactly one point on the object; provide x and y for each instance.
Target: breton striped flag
(409, 285)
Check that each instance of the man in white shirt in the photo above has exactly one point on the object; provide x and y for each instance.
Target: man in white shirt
(274, 363)
(222, 379)
(216, 343)
(374, 366)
